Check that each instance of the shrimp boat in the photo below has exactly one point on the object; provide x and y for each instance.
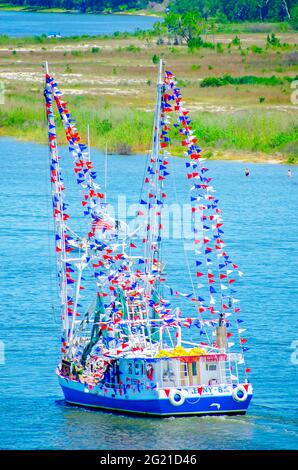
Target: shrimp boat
(131, 350)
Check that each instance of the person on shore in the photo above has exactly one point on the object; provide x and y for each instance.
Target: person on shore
(289, 173)
(247, 171)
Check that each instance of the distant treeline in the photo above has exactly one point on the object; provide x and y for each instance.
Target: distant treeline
(239, 10)
(223, 10)
(84, 5)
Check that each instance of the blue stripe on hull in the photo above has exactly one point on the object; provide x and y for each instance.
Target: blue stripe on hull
(158, 407)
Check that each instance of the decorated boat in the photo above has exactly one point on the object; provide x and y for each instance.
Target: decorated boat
(126, 346)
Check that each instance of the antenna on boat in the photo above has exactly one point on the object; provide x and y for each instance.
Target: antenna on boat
(160, 72)
(88, 138)
(46, 66)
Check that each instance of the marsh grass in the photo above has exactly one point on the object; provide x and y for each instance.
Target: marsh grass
(127, 130)
(108, 86)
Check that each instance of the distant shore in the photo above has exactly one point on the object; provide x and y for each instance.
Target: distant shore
(109, 82)
(27, 9)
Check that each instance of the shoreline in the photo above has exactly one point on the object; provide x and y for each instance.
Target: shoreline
(229, 156)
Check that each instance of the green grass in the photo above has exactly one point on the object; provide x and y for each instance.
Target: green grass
(43, 39)
(40, 9)
(266, 131)
(254, 27)
(121, 128)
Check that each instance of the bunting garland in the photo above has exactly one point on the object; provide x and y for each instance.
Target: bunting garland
(205, 205)
(130, 287)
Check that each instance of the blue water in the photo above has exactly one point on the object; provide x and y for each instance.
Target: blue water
(261, 227)
(13, 23)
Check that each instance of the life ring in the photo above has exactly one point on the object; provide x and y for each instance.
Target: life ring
(176, 397)
(149, 371)
(243, 396)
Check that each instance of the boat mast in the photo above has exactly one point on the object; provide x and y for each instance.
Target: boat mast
(58, 205)
(154, 220)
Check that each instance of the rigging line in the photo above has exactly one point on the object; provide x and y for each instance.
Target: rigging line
(49, 240)
(203, 231)
(88, 139)
(48, 198)
(217, 265)
(190, 275)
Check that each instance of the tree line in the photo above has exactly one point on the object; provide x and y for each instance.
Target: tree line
(222, 10)
(84, 6)
(238, 10)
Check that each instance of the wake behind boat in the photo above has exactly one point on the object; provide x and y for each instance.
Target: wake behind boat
(131, 350)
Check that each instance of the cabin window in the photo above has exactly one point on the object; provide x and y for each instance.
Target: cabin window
(211, 367)
(194, 368)
(184, 373)
(138, 368)
(130, 368)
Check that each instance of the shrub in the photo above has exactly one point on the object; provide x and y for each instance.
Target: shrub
(95, 50)
(219, 48)
(155, 59)
(272, 40)
(212, 82)
(256, 49)
(208, 45)
(236, 41)
(132, 48)
(195, 43)
(243, 80)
